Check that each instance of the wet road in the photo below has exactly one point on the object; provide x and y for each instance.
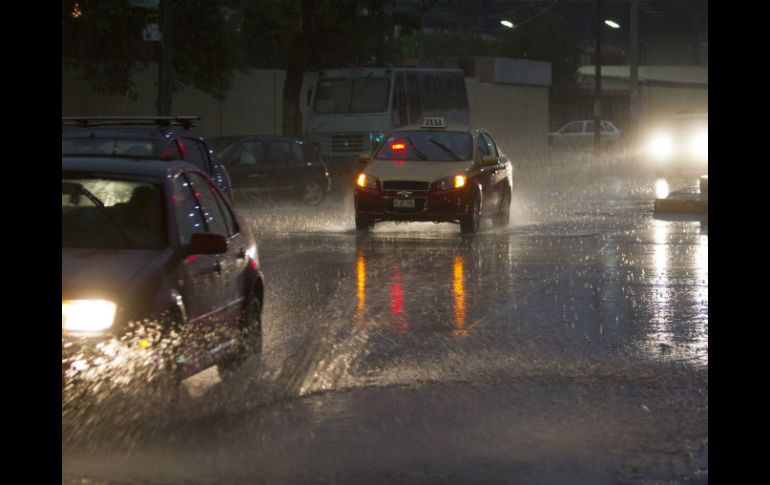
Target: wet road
(570, 346)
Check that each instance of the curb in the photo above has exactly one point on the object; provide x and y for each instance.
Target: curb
(682, 206)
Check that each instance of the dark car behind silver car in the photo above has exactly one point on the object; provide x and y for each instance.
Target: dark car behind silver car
(159, 137)
(274, 166)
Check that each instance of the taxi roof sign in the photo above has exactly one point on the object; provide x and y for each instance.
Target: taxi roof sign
(433, 122)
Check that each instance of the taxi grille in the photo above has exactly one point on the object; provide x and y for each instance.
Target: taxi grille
(405, 185)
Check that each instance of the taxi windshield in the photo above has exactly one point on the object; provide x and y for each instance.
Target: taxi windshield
(426, 145)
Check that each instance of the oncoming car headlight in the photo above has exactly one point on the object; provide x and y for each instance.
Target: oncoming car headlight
(661, 146)
(699, 144)
(366, 181)
(87, 316)
(453, 182)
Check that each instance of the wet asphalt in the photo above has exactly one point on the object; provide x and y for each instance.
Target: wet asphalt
(571, 346)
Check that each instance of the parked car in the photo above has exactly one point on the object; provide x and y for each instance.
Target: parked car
(155, 259)
(580, 135)
(166, 137)
(678, 145)
(275, 166)
(434, 172)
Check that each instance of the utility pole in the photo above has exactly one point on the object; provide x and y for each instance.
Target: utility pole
(421, 36)
(633, 89)
(165, 58)
(598, 77)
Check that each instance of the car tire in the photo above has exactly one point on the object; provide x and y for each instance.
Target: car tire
(364, 224)
(503, 217)
(470, 223)
(312, 193)
(249, 336)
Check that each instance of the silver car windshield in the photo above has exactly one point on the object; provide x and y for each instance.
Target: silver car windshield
(112, 214)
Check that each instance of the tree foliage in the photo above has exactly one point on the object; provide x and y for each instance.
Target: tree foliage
(213, 38)
(104, 38)
(459, 43)
(547, 38)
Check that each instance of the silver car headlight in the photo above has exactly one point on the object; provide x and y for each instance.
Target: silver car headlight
(87, 316)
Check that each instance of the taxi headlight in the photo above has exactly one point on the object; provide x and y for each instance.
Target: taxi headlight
(87, 316)
(661, 146)
(453, 182)
(699, 144)
(366, 181)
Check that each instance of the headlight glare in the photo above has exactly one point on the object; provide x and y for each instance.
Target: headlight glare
(87, 316)
(661, 146)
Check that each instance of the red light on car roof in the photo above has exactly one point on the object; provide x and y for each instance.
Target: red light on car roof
(398, 146)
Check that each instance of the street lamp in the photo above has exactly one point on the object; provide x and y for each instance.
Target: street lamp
(598, 72)
(598, 75)
(507, 23)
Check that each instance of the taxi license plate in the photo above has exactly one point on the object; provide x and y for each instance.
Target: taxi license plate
(403, 203)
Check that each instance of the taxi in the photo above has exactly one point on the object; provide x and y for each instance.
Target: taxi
(434, 172)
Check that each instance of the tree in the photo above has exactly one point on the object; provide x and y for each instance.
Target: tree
(547, 38)
(459, 43)
(104, 38)
(332, 34)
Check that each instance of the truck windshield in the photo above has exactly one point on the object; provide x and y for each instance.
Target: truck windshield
(352, 95)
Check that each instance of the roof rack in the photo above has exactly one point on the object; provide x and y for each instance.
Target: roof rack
(185, 121)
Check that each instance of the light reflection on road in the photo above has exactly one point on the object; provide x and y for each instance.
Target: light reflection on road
(661, 189)
(398, 324)
(679, 324)
(361, 294)
(458, 292)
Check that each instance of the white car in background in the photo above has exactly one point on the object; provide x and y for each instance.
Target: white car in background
(580, 135)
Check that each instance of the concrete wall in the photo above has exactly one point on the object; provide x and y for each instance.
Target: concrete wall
(252, 106)
(512, 71)
(660, 103)
(516, 116)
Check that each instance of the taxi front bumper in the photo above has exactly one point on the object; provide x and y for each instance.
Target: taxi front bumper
(418, 205)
